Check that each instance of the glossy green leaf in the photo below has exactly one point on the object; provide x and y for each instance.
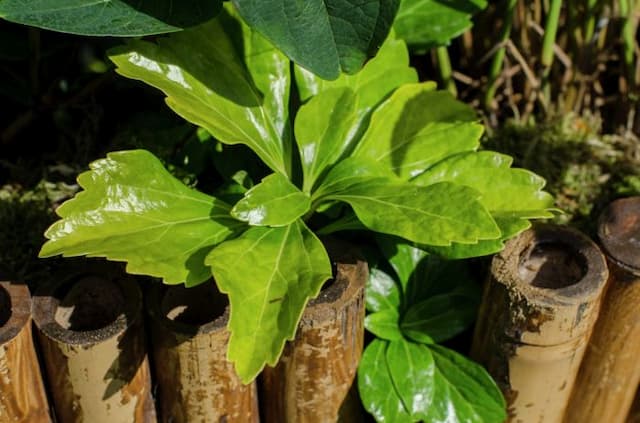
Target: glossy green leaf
(412, 368)
(269, 275)
(273, 202)
(133, 210)
(382, 292)
(425, 24)
(416, 128)
(324, 36)
(404, 258)
(439, 318)
(464, 391)
(206, 82)
(324, 130)
(384, 324)
(511, 195)
(376, 387)
(434, 215)
(122, 18)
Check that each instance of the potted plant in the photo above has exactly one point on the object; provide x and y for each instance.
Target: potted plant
(377, 151)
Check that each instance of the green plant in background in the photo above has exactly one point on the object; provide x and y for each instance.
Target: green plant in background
(404, 375)
(325, 36)
(376, 148)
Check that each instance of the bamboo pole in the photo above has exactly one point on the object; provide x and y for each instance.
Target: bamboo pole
(610, 373)
(195, 381)
(313, 380)
(92, 339)
(22, 396)
(538, 310)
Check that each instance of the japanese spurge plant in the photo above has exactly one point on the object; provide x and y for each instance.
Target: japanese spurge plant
(398, 155)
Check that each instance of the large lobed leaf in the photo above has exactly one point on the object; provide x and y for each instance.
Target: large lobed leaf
(209, 82)
(324, 36)
(269, 275)
(512, 196)
(133, 210)
(425, 24)
(436, 215)
(110, 17)
(401, 381)
(417, 127)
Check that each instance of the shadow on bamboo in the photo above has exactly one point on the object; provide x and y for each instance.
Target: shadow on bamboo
(91, 335)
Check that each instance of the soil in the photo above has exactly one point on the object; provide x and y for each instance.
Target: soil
(195, 306)
(552, 265)
(5, 307)
(92, 303)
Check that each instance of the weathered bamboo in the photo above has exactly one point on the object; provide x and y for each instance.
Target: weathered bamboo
(313, 380)
(610, 373)
(92, 339)
(538, 310)
(22, 396)
(195, 381)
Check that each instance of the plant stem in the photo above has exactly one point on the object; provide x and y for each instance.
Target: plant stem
(590, 20)
(626, 10)
(444, 65)
(548, 42)
(498, 58)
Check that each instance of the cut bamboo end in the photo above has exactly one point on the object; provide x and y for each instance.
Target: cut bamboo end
(313, 380)
(538, 310)
(195, 381)
(92, 339)
(22, 395)
(610, 374)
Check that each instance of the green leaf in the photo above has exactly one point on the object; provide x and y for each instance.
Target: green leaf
(412, 368)
(439, 318)
(384, 324)
(133, 210)
(434, 215)
(425, 24)
(269, 275)
(404, 258)
(417, 127)
(464, 391)
(512, 196)
(323, 129)
(206, 82)
(376, 387)
(324, 36)
(273, 202)
(120, 18)
(382, 292)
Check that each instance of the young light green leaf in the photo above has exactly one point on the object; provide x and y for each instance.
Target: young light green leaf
(416, 128)
(384, 324)
(511, 195)
(464, 391)
(120, 18)
(207, 83)
(382, 292)
(133, 210)
(412, 368)
(273, 202)
(324, 129)
(324, 36)
(269, 275)
(376, 388)
(434, 215)
(439, 318)
(426, 24)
